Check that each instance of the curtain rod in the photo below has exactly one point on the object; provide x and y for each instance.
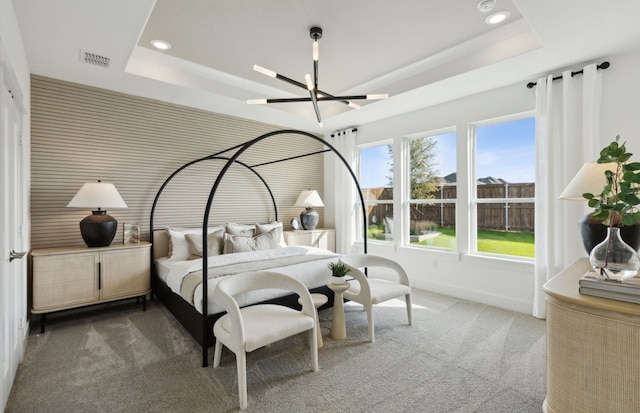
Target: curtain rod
(603, 65)
(333, 134)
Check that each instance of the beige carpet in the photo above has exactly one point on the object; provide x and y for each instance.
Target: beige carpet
(458, 356)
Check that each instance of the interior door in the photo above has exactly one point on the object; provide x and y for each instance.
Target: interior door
(13, 269)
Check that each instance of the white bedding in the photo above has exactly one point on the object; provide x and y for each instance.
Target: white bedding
(312, 274)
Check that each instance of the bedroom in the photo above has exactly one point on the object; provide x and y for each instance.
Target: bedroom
(505, 283)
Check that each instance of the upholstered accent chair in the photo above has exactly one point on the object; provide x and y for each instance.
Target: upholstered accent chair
(246, 329)
(382, 280)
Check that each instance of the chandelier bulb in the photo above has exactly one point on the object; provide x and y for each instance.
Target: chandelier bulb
(307, 77)
(316, 51)
(264, 71)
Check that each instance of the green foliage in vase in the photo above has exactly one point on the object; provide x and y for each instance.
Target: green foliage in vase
(617, 204)
(338, 269)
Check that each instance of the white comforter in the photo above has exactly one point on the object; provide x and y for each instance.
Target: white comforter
(312, 274)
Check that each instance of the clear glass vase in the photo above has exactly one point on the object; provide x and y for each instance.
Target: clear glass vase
(614, 259)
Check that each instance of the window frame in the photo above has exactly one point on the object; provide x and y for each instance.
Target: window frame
(406, 199)
(359, 148)
(474, 201)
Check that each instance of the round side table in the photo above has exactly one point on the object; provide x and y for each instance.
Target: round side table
(318, 301)
(338, 327)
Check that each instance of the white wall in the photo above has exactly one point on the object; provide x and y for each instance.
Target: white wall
(621, 102)
(500, 282)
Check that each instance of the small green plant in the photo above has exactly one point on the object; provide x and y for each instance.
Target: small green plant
(338, 269)
(617, 204)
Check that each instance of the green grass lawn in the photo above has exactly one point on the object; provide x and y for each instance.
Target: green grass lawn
(520, 244)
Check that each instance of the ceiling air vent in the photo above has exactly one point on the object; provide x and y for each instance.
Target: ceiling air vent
(94, 59)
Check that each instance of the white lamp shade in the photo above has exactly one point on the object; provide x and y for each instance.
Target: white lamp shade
(97, 195)
(309, 198)
(589, 179)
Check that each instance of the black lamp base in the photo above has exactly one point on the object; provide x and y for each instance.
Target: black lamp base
(593, 232)
(309, 218)
(98, 229)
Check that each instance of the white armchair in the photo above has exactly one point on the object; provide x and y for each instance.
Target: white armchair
(370, 289)
(246, 329)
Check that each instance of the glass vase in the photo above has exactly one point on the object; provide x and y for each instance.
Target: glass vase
(613, 259)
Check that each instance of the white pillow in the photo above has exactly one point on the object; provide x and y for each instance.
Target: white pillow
(178, 245)
(239, 229)
(239, 243)
(214, 243)
(262, 228)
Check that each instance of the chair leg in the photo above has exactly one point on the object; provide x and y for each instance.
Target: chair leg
(372, 337)
(408, 300)
(313, 348)
(217, 353)
(241, 360)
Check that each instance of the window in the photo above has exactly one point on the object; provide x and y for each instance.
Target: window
(505, 187)
(376, 183)
(431, 172)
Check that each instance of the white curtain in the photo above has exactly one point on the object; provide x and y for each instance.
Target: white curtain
(567, 136)
(345, 190)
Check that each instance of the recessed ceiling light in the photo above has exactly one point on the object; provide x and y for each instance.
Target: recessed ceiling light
(161, 44)
(497, 17)
(486, 5)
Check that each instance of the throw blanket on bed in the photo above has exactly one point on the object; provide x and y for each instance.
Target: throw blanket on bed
(191, 281)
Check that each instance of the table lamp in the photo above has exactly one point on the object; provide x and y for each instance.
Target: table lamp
(309, 199)
(591, 179)
(98, 229)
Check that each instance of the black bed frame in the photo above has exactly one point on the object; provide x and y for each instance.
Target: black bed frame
(197, 324)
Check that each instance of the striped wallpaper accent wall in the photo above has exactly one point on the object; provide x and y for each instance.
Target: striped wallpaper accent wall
(81, 134)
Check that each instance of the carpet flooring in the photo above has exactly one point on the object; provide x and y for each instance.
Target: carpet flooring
(458, 356)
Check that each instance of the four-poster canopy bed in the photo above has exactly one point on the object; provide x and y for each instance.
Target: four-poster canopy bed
(184, 285)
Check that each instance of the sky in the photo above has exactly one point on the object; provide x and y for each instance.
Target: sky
(505, 150)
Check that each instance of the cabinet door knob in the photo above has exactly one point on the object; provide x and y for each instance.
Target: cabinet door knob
(16, 255)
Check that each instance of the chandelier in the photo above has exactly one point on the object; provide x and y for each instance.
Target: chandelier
(315, 95)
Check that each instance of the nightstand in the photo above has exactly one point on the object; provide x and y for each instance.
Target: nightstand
(592, 346)
(71, 277)
(319, 238)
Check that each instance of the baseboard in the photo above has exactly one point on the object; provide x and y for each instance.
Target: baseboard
(476, 296)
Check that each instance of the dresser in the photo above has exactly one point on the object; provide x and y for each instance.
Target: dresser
(592, 349)
(71, 277)
(319, 238)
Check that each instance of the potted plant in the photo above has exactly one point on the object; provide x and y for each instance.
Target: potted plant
(338, 271)
(617, 206)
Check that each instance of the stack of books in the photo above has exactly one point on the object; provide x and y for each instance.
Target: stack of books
(593, 284)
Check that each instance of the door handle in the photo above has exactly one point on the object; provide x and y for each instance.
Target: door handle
(16, 255)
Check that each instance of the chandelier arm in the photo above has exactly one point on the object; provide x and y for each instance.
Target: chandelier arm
(289, 100)
(344, 99)
(314, 99)
(319, 99)
(291, 81)
(315, 74)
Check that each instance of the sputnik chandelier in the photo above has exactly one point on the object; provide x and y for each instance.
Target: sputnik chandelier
(315, 95)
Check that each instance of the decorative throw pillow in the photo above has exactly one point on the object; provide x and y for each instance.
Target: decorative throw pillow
(262, 228)
(214, 243)
(238, 243)
(178, 245)
(240, 229)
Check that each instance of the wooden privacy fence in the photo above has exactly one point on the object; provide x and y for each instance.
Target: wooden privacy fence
(509, 215)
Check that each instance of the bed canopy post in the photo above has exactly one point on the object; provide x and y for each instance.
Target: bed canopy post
(214, 188)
